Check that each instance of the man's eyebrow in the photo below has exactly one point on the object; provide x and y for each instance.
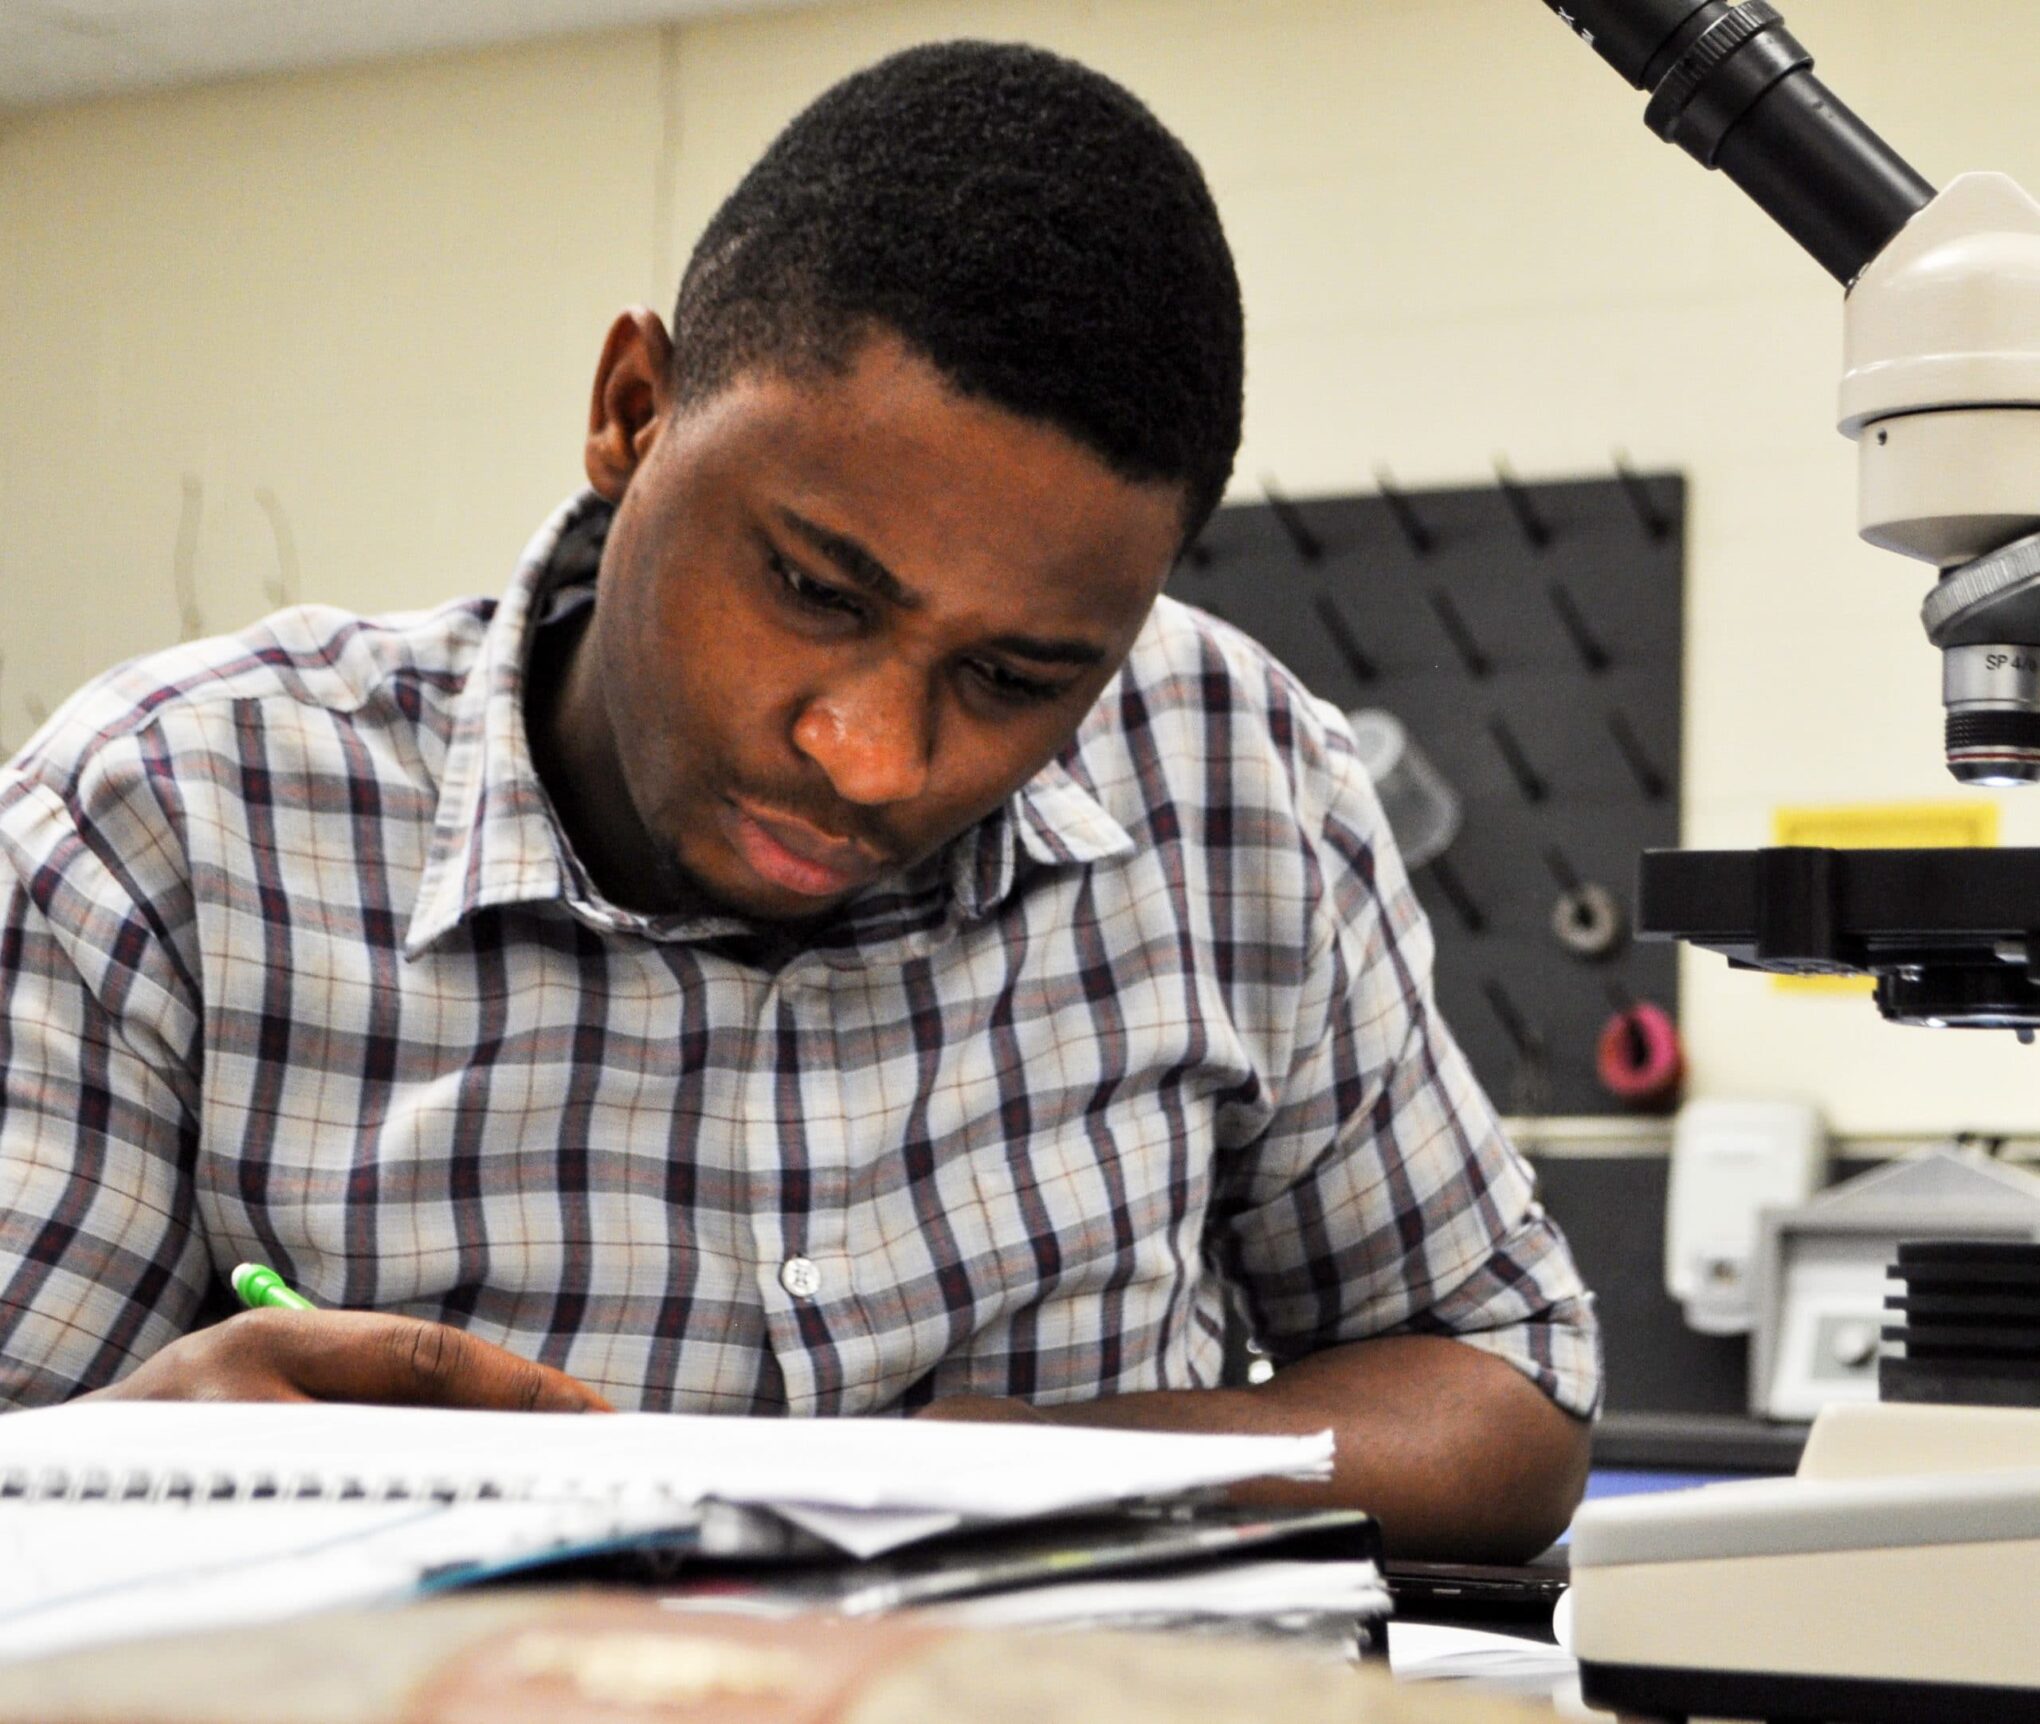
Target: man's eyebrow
(872, 575)
(852, 559)
(1049, 651)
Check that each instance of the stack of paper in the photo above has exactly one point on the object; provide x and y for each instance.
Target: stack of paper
(1207, 1567)
(1502, 1663)
(128, 1518)
(1257, 1592)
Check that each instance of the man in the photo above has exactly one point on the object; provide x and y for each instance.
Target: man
(832, 939)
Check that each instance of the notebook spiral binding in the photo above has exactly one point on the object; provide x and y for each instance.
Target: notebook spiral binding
(50, 1484)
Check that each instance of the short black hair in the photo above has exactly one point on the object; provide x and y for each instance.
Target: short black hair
(1023, 222)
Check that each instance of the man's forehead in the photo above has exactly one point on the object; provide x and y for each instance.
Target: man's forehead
(896, 476)
(849, 385)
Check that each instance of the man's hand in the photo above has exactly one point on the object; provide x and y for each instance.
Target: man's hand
(349, 1356)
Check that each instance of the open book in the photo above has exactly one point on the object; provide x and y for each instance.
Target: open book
(121, 1519)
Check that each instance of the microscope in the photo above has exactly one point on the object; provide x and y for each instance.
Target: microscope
(1892, 1579)
(1941, 393)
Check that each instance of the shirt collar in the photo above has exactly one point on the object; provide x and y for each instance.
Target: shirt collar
(496, 839)
(1054, 820)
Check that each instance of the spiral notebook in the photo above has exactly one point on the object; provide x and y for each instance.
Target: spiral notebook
(120, 1519)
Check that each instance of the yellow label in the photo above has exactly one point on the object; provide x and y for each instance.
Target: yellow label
(1879, 826)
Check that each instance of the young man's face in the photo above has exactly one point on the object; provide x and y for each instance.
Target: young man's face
(839, 620)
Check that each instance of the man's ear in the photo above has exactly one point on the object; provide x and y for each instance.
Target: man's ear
(628, 407)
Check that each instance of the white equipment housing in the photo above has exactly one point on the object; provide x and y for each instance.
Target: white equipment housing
(1895, 1579)
(1941, 382)
(1731, 1161)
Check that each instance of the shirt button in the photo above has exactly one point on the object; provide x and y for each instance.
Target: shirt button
(800, 1277)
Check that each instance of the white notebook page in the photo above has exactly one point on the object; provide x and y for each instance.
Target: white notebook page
(995, 1471)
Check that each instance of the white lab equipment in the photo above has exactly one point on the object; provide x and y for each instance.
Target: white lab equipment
(1821, 1269)
(1731, 1160)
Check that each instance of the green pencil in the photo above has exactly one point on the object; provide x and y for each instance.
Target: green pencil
(258, 1285)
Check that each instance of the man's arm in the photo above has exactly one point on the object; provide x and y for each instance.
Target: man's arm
(1453, 1451)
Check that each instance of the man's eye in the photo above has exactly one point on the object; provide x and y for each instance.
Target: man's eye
(812, 594)
(1007, 685)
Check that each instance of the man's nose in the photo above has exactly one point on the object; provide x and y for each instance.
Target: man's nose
(872, 736)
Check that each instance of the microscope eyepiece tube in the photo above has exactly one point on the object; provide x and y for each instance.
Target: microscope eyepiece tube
(1731, 86)
(1639, 38)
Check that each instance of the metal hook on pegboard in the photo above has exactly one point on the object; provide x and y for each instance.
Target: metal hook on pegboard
(1535, 528)
(1414, 527)
(1308, 545)
(1656, 524)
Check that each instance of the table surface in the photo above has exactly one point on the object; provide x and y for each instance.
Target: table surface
(596, 1657)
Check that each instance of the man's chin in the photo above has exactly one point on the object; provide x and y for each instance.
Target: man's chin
(783, 909)
(737, 892)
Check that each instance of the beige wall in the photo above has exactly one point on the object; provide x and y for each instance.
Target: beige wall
(365, 304)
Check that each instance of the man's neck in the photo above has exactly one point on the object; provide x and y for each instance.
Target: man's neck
(573, 750)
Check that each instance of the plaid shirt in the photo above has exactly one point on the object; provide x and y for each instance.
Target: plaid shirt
(296, 966)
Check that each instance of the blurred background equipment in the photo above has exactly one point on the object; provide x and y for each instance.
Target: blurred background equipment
(1731, 1162)
(1966, 1325)
(1588, 920)
(1639, 1059)
(1423, 810)
(1818, 1288)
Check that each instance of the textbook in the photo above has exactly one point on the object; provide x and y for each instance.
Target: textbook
(121, 1518)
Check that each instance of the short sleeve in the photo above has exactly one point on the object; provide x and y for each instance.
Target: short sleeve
(1383, 1196)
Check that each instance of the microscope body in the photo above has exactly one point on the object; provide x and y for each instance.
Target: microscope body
(1941, 379)
(1941, 391)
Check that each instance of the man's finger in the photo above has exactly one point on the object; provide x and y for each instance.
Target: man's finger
(365, 1356)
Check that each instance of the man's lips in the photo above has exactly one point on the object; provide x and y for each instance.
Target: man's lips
(790, 853)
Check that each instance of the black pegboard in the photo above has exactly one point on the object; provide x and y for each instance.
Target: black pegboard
(1554, 610)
